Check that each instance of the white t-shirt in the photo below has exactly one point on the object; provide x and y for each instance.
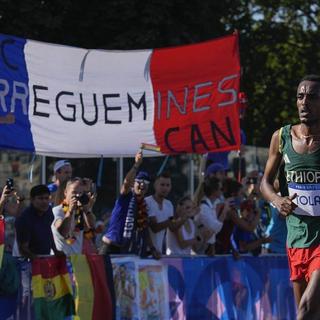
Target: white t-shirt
(208, 217)
(161, 215)
(60, 241)
(173, 246)
(15, 248)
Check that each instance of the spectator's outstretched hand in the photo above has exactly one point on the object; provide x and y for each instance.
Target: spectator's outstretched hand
(138, 158)
(6, 194)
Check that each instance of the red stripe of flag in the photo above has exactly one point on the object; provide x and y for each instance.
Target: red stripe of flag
(196, 96)
(102, 307)
(49, 267)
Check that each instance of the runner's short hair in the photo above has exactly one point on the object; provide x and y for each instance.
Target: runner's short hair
(311, 77)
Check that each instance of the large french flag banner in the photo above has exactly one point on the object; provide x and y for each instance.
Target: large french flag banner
(65, 101)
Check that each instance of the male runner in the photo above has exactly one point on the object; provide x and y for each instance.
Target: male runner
(299, 147)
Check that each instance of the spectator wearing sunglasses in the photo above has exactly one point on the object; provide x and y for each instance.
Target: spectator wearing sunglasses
(128, 228)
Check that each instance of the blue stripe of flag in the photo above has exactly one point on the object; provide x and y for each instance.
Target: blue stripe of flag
(14, 78)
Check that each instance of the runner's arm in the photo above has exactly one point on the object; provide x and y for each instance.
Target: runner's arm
(285, 205)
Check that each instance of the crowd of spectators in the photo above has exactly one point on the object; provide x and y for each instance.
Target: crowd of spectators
(225, 216)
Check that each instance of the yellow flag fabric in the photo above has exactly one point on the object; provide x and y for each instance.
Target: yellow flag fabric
(84, 295)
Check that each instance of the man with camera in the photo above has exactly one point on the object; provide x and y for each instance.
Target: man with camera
(71, 218)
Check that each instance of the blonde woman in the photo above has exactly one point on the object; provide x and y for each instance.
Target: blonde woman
(181, 240)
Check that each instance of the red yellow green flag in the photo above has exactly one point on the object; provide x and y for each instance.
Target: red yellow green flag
(93, 300)
(2, 222)
(52, 290)
(102, 307)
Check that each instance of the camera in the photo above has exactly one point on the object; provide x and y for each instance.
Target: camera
(83, 198)
(252, 180)
(10, 184)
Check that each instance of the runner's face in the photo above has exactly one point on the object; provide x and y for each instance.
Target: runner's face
(308, 102)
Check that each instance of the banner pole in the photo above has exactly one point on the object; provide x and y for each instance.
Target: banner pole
(120, 175)
(239, 164)
(43, 170)
(163, 165)
(191, 176)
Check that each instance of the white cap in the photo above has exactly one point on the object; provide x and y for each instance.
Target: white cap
(61, 163)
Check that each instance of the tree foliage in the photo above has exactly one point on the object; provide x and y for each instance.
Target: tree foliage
(279, 40)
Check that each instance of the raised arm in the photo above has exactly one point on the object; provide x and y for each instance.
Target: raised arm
(4, 198)
(129, 179)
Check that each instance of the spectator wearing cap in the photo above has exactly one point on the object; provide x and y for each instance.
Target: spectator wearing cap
(216, 170)
(33, 226)
(127, 231)
(62, 170)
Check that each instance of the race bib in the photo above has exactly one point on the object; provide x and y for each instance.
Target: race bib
(307, 200)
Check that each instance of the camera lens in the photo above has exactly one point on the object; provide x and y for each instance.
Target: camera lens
(83, 198)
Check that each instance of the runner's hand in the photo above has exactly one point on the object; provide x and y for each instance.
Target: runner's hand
(285, 205)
